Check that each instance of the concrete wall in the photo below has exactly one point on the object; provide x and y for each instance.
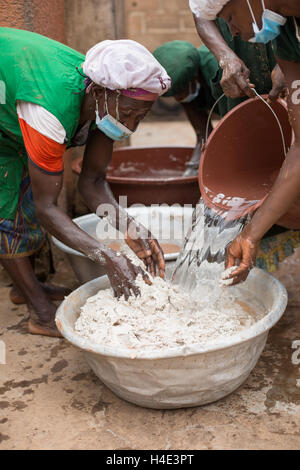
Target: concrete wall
(92, 21)
(83, 23)
(153, 22)
(150, 22)
(46, 17)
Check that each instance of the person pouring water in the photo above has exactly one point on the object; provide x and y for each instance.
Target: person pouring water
(225, 64)
(262, 22)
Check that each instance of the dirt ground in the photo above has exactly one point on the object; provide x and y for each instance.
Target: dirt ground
(50, 399)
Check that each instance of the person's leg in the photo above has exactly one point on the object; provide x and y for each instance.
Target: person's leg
(42, 310)
(42, 265)
(54, 292)
(192, 166)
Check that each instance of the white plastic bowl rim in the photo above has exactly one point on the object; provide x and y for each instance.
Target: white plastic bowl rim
(259, 328)
(132, 211)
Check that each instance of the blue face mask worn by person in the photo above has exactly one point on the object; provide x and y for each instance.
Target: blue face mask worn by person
(192, 96)
(272, 23)
(110, 126)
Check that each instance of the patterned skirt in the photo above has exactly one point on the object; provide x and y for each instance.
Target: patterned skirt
(24, 235)
(274, 249)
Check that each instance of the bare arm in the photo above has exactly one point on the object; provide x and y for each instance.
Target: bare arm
(235, 79)
(284, 193)
(287, 185)
(213, 39)
(92, 182)
(46, 188)
(198, 119)
(96, 192)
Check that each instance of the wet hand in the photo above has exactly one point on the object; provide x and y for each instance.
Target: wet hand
(147, 248)
(279, 89)
(242, 254)
(122, 274)
(235, 79)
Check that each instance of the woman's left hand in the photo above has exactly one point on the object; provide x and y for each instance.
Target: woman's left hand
(242, 250)
(147, 248)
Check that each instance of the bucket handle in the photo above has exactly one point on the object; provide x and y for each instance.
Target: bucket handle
(264, 101)
(209, 118)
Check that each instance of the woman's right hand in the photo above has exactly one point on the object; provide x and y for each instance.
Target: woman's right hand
(122, 274)
(235, 79)
(279, 89)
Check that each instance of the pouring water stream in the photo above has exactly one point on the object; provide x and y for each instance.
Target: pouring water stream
(203, 254)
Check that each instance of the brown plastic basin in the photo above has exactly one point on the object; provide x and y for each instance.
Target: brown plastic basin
(243, 157)
(151, 175)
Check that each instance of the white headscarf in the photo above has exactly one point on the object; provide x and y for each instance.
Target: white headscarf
(207, 9)
(124, 64)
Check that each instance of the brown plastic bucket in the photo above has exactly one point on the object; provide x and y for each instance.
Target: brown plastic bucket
(151, 175)
(243, 157)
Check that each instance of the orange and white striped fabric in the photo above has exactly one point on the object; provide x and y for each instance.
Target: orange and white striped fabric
(44, 136)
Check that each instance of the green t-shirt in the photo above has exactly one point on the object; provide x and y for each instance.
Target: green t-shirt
(42, 71)
(287, 45)
(181, 61)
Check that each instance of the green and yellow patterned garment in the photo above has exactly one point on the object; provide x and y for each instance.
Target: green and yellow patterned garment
(276, 248)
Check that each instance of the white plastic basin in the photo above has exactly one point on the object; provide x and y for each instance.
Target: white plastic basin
(185, 376)
(167, 224)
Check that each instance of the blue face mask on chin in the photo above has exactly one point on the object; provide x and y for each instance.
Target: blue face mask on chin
(110, 126)
(272, 23)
